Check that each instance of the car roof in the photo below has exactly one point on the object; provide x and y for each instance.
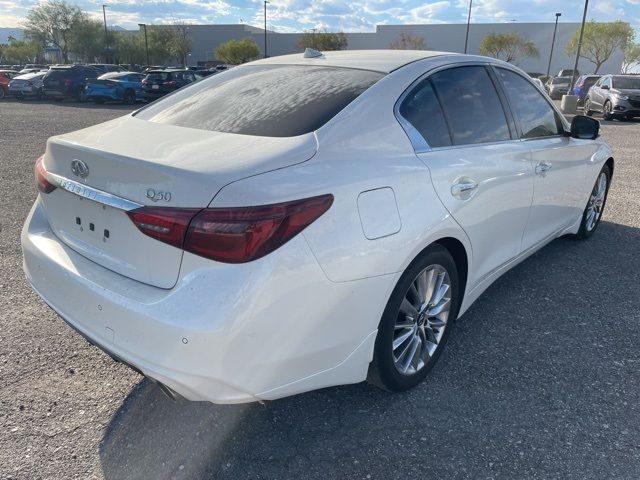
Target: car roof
(378, 60)
(27, 76)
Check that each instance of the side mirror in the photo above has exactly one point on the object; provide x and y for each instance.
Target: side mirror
(605, 87)
(585, 128)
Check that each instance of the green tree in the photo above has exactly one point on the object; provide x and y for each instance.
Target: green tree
(51, 22)
(160, 40)
(323, 41)
(631, 57)
(236, 52)
(408, 41)
(86, 39)
(180, 45)
(509, 47)
(130, 47)
(600, 40)
(20, 51)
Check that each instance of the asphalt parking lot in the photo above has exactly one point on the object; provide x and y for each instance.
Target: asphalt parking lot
(540, 379)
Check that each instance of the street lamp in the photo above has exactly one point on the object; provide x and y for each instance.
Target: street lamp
(106, 35)
(553, 42)
(466, 38)
(265, 28)
(146, 43)
(575, 67)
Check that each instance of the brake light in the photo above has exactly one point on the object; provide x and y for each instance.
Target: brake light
(231, 235)
(67, 82)
(168, 225)
(44, 185)
(171, 83)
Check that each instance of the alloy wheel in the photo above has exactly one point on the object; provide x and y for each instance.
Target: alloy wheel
(421, 319)
(596, 202)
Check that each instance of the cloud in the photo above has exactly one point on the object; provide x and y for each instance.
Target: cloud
(356, 15)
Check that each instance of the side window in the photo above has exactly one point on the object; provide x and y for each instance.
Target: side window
(536, 117)
(422, 109)
(471, 105)
(607, 82)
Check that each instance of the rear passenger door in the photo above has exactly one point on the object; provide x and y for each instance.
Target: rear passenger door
(482, 176)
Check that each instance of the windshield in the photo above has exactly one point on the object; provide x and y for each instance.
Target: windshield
(630, 83)
(270, 100)
(558, 80)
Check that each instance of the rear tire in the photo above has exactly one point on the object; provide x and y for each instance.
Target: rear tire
(595, 205)
(129, 97)
(416, 322)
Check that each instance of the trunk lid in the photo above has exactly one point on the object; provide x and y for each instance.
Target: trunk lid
(150, 164)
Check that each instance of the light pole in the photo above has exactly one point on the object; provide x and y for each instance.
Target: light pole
(106, 34)
(146, 43)
(575, 67)
(466, 38)
(553, 42)
(265, 28)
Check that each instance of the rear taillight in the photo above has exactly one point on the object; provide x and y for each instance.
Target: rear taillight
(44, 185)
(171, 83)
(67, 82)
(231, 235)
(168, 225)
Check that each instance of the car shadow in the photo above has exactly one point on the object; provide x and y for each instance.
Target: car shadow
(533, 383)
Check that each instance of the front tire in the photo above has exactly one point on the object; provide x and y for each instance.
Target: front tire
(595, 205)
(607, 115)
(416, 322)
(587, 108)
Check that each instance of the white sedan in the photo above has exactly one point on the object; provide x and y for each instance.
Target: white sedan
(305, 221)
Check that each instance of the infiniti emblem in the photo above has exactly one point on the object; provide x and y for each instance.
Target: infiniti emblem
(79, 168)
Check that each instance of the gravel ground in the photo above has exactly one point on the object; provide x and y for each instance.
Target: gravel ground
(540, 379)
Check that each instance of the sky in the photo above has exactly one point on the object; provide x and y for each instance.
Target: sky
(335, 15)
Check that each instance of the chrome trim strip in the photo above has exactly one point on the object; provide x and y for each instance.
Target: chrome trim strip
(93, 194)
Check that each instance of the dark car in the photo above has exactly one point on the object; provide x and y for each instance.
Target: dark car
(582, 86)
(107, 67)
(202, 73)
(160, 82)
(68, 81)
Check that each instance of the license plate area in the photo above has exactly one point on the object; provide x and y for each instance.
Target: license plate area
(155, 87)
(108, 237)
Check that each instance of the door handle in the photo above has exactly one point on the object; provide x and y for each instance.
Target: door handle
(463, 190)
(542, 168)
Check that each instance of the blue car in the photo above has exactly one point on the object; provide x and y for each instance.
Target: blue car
(582, 86)
(116, 86)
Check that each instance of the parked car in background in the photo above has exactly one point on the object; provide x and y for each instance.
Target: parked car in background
(68, 81)
(615, 96)
(567, 72)
(294, 224)
(582, 86)
(202, 73)
(5, 78)
(116, 86)
(27, 85)
(30, 70)
(557, 87)
(538, 83)
(107, 67)
(158, 83)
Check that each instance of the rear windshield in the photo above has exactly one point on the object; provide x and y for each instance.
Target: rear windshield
(55, 73)
(266, 100)
(589, 81)
(157, 76)
(626, 82)
(557, 80)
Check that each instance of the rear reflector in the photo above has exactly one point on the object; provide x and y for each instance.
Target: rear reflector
(231, 235)
(41, 177)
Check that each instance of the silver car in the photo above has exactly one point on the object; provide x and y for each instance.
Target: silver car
(615, 96)
(558, 86)
(27, 85)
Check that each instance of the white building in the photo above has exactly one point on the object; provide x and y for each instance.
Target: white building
(443, 37)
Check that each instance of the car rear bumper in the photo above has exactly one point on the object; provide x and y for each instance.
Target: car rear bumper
(225, 333)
